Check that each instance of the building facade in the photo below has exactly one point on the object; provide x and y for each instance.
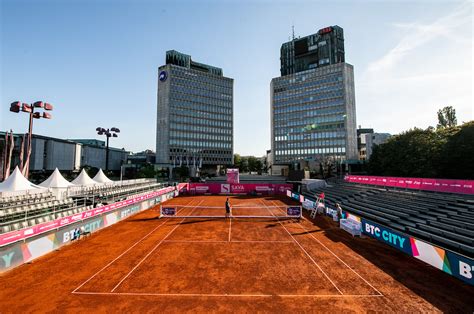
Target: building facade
(313, 51)
(366, 139)
(313, 116)
(195, 114)
(48, 153)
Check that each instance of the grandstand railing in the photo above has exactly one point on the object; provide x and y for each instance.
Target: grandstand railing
(78, 190)
(5, 195)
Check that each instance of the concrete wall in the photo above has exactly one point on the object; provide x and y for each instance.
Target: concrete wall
(351, 123)
(59, 155)
(162, 118)
(95, 157)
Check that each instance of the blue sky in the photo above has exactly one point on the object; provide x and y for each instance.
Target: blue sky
(97, 61)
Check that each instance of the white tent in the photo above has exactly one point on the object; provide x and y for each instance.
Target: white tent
(17, 182)
(100, 177)
(56, 180)
(83, 179)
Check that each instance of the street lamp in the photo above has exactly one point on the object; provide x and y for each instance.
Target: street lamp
(17, 107)
(112, 132)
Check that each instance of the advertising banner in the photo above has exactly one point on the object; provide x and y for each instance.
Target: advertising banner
(12, 256)
(386, 235)
(449, 262)
(242, 188)
(233, 176)
(308, 204)
(461, 267)
(168, 211)
(182, 187)
(293, 211)
(425, 184)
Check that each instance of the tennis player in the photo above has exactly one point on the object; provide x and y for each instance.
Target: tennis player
(228, 210)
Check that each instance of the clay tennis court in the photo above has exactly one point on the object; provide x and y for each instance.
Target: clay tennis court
(146, 264)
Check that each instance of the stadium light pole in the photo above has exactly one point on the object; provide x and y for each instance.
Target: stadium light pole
(108, 133)
(17, 107)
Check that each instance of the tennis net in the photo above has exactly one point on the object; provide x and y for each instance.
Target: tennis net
(186, 211)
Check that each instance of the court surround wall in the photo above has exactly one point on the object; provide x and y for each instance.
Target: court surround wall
(424, 184)
(27, 249)
(234, 188)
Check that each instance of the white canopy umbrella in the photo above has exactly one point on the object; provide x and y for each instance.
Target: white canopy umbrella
(83, 179)
(56, 180)
(100, 177)
(17, 182)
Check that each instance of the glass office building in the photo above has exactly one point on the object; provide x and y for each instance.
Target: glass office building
(313, 112)
(195, 114)
(316, 50)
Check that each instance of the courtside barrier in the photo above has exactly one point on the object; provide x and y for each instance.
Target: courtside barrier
(455, 264)
(45, 240)
(242, 188)
(424, 184)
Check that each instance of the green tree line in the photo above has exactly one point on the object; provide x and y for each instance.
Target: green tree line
(444, 152)
(247, 164)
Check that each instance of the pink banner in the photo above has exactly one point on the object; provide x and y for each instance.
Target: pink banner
(425, 184)
(243, 188)
(183, 187)
(233, 176)
(14, 236)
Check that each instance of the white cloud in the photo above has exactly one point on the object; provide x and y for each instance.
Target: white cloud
(418, 34)
(428, 68)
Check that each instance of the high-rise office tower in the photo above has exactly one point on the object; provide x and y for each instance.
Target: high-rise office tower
(313, 112)
(195, 114)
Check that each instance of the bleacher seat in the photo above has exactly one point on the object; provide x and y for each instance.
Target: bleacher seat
(446, 220)
(22, 211)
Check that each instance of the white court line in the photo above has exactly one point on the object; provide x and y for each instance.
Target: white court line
(230, 226)
(307, 254)
(195, 241)
(306, 231)
(149, 253)
(360, 276)
(262, 241)
(90, 278)
(222, 241)
(231, 295)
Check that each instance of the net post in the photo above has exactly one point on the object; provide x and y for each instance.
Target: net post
(161, 212)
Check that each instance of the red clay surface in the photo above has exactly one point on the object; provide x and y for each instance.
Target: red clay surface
(144, 264)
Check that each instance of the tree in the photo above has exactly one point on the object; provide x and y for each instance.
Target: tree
(237, 161)
(182, 172)
(456, 155)
(244, 165)
(414, 153)
(444, 152)
(447, 118)
(147, 171)
(259, 166)
(252, 163)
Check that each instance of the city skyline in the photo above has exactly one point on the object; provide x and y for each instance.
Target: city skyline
(98, 64)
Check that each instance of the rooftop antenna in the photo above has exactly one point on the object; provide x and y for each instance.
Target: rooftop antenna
(293, 31)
